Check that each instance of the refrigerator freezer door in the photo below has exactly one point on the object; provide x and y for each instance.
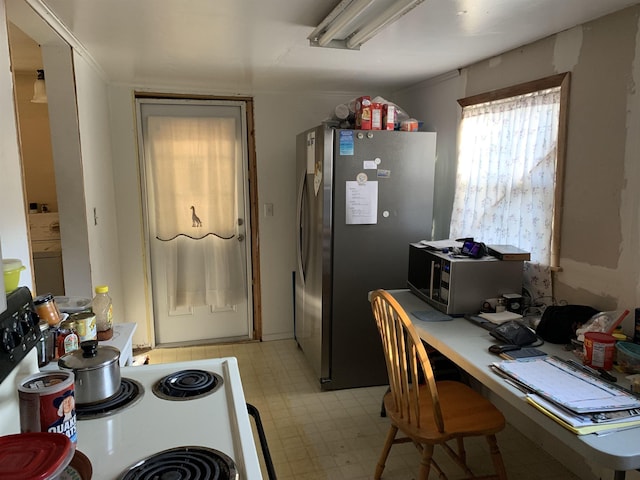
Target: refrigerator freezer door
(313, 169)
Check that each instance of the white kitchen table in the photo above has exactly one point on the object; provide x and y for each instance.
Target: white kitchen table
(467, 345)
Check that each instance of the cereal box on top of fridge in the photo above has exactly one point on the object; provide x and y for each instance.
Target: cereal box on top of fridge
(388, 117)
(363, 113)
(376, 116)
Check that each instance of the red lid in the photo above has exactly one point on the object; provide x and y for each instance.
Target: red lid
(36, 456)
(600, 337)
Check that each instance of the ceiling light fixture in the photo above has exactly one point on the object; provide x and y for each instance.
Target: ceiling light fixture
(347, 16)
(39, 89)
(341, 29)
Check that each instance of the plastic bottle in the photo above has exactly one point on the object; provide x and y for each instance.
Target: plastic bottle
(103, 310)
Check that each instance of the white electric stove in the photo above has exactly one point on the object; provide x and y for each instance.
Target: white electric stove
(174, 421)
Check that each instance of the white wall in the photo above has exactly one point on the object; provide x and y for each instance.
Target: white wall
(82, 154)
(69, 172)
(99, 191)
(13, 218)
(278, 118)
(433, 101)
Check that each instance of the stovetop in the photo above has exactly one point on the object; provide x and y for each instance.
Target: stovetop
(218, 421)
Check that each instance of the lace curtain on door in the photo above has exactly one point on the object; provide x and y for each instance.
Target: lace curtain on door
(505, 179)
(193, 192)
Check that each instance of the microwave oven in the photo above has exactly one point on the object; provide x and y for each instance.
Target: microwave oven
(458, 285)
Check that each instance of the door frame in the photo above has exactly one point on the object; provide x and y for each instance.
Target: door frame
(252, 181)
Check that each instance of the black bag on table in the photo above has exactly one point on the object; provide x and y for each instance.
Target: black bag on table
(514, 333)
(560, 322)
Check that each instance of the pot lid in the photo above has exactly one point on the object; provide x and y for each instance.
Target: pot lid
(90, 356)
(34, 456)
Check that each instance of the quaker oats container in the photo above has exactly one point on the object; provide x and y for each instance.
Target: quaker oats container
(47, 404)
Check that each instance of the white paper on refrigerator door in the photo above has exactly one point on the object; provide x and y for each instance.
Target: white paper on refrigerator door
(311, 153)
(361, 203)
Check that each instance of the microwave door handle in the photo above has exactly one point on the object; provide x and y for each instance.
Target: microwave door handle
(431, 279)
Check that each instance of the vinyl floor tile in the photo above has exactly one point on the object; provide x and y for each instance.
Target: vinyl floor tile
(315, 435)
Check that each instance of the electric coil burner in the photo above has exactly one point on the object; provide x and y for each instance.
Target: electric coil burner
(129, 394)
(187, 385)
(182, 463)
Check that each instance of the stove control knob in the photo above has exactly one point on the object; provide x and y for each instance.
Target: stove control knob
(29, 322)
(32, 318)
(10, 340)
(24, 325)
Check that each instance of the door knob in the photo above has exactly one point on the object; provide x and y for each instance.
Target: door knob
(240, 237)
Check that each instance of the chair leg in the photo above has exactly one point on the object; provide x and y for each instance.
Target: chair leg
(496, 457)
(391, 435)
(425, 462)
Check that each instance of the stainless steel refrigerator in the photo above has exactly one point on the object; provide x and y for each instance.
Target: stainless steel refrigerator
(362, 196)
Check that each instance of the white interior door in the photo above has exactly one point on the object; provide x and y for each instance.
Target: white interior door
(196, 196)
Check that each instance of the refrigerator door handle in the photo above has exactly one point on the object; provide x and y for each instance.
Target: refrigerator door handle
(301, 227)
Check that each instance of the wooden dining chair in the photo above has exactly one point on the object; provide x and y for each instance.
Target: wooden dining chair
(429, 413)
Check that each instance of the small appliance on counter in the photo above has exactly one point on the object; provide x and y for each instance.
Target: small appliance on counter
(458, 285)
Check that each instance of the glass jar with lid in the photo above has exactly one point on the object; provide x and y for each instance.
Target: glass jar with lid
(46, 309)
(67, 338)
(47, 344)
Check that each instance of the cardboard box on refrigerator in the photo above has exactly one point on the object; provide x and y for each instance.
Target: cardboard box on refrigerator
(363, 113)
(376, 116)
(388, 117)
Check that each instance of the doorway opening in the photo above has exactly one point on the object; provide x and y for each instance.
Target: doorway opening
(37, 163)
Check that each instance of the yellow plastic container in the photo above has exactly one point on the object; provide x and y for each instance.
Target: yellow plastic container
(11, 268)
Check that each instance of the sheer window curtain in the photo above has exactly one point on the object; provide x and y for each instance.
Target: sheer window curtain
(506, 176)
(192, 164)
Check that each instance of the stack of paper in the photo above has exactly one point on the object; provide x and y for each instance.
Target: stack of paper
(574, 398)
(501, 317)
(583, 424)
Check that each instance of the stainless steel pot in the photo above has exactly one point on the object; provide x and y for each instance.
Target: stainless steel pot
(96, 369)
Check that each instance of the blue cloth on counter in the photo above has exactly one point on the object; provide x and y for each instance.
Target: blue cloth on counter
(431, 316)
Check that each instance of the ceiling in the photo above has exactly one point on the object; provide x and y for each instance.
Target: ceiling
(247, 46)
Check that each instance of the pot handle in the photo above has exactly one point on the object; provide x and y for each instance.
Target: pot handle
(89, 348)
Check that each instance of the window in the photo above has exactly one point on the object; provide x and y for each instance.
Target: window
(509, 175)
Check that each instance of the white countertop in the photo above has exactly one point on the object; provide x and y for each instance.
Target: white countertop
(122, 340)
